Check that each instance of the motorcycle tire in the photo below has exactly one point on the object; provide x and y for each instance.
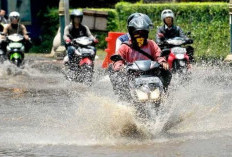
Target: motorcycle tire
(87, 74)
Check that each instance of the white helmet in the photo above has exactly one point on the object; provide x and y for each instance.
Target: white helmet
(167, 13)
(14, 15)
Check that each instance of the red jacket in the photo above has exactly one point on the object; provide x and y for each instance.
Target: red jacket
(130, 55)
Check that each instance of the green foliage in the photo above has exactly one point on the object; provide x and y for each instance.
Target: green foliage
(208, 22)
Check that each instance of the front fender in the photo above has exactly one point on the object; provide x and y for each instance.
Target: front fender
(86, 60)
(16, 55)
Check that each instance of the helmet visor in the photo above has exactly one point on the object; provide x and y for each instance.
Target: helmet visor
(14, 18)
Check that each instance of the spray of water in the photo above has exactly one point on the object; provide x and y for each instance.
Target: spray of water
(52, 110)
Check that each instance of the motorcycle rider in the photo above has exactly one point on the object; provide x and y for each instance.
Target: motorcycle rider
(138, 29)
(169, 30)
(15, 27)
(126, 37)
(75, 30)
(2, 17)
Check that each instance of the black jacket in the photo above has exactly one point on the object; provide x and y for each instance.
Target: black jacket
(175, 31)
(71, 32)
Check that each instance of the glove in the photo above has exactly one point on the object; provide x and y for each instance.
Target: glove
(118, 65)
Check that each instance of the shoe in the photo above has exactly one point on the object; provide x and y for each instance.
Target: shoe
(66, 60)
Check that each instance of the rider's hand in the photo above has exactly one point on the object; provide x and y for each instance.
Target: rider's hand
(165, 66)
(26, 37)
(161, 35)
(3, 37)
(118, 65)
(67, 41)
(95, 41)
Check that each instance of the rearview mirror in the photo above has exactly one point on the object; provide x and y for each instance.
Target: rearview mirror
(116, 58)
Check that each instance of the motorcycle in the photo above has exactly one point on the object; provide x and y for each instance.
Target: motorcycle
(15, 49)
(142, 79)
(176, 54)
(81, 67)
(1, 27)
(2, 53)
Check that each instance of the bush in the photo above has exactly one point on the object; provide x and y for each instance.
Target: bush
(208, 23)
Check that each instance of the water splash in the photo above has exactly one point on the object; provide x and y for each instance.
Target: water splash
(53, 110)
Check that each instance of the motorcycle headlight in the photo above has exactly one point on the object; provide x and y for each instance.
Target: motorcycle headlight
(182, 63)
(142, 96)
(155, 94)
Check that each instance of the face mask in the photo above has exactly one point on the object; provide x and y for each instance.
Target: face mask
(14, 26)
(139, 40)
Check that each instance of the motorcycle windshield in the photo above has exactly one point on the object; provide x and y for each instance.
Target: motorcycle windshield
(144, 65)
(176, 41)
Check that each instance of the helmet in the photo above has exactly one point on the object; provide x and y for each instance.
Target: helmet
(147, 18)
(138, 23)
(167, 13)
(14, 15)
(76, 13)
(134, 15)
(138, 29)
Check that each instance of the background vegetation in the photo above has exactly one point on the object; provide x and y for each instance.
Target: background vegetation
(208, 22)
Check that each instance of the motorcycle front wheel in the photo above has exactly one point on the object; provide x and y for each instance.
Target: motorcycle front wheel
(87, 74)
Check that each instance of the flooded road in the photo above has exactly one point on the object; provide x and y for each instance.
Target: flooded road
(43, 114)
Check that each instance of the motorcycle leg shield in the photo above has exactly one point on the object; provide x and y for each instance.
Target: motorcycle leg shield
(171, 58)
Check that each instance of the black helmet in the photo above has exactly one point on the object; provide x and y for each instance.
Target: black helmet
(138, 27)
(138, 23)
(134, 15)
(147, 18)
(76, 13)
